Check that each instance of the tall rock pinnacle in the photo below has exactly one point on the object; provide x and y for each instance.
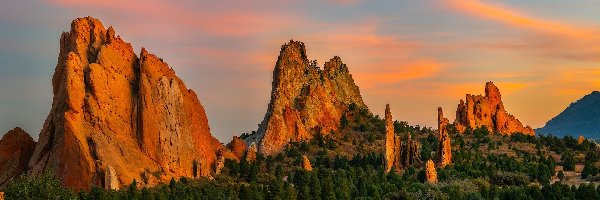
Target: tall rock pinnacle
(113, 110)
(305, 100)
(392, 143)
(444, 151)
(488, 111)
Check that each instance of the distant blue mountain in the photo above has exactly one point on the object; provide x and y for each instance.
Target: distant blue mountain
(580, 118)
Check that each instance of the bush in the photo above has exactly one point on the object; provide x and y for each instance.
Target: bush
(509, 178)
(45, 186)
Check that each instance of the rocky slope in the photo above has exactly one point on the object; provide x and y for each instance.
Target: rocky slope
(116, 114)
(488, 111)
(579, 118)
(305, 100)
(16, 147)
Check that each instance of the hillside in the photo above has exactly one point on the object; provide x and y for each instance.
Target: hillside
(580, 118)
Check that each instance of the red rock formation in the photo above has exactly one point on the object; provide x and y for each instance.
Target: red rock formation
(430, 172)
(111, 108)
(410, 152)
(392, 143)
(488, 111)
(306, 164)
(305, 100)
(580, 139)
(444, 151)
(397, 154)
(16, 147)
(238, 147)
(251, 153)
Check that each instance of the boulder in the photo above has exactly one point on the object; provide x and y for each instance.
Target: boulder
(16, 148)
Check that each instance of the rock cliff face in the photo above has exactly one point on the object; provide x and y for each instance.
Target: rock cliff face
(444, 152)
(430, 172)
(488, 111)
(305, 100)
(114, 110)
(306, 164)
(392, 143)
(16, 147)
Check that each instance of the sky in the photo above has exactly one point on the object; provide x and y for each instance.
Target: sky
(414, 55)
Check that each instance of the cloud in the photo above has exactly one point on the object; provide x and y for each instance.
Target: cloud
(549, 38)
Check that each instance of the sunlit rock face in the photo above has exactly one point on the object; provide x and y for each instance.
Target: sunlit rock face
(16, 147)
(306, 164)
(114, 110)
(392, 143)
(305, 100)
(488, 111)
(430, 172)
(444, 151)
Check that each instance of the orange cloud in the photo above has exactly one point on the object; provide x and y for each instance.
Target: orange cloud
(550, 37)
(514, 17)
(402, 71)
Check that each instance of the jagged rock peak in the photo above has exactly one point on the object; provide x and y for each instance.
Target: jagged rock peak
(305, 100)
(16, 147)
(119, 115)
(488, 111)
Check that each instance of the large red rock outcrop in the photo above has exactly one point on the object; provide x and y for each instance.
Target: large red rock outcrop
(16, 147)
(488, 111)
(305, 100)
(392, 143)
(444, 151)
(113, 109)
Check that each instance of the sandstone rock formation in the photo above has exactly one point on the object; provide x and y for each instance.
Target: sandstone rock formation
(16, 147)
(488, 111)
(111, 181)
(397, 154)
(306, 164)
(113, 108)
(219, 164)
(251, 153)
(580, 139)
(238, 147)
(392, 143)
(430, 172)
(305, 100)
(444, 151)
(410, 152)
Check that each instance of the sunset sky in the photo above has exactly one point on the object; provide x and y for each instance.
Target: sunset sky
(414, 55)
